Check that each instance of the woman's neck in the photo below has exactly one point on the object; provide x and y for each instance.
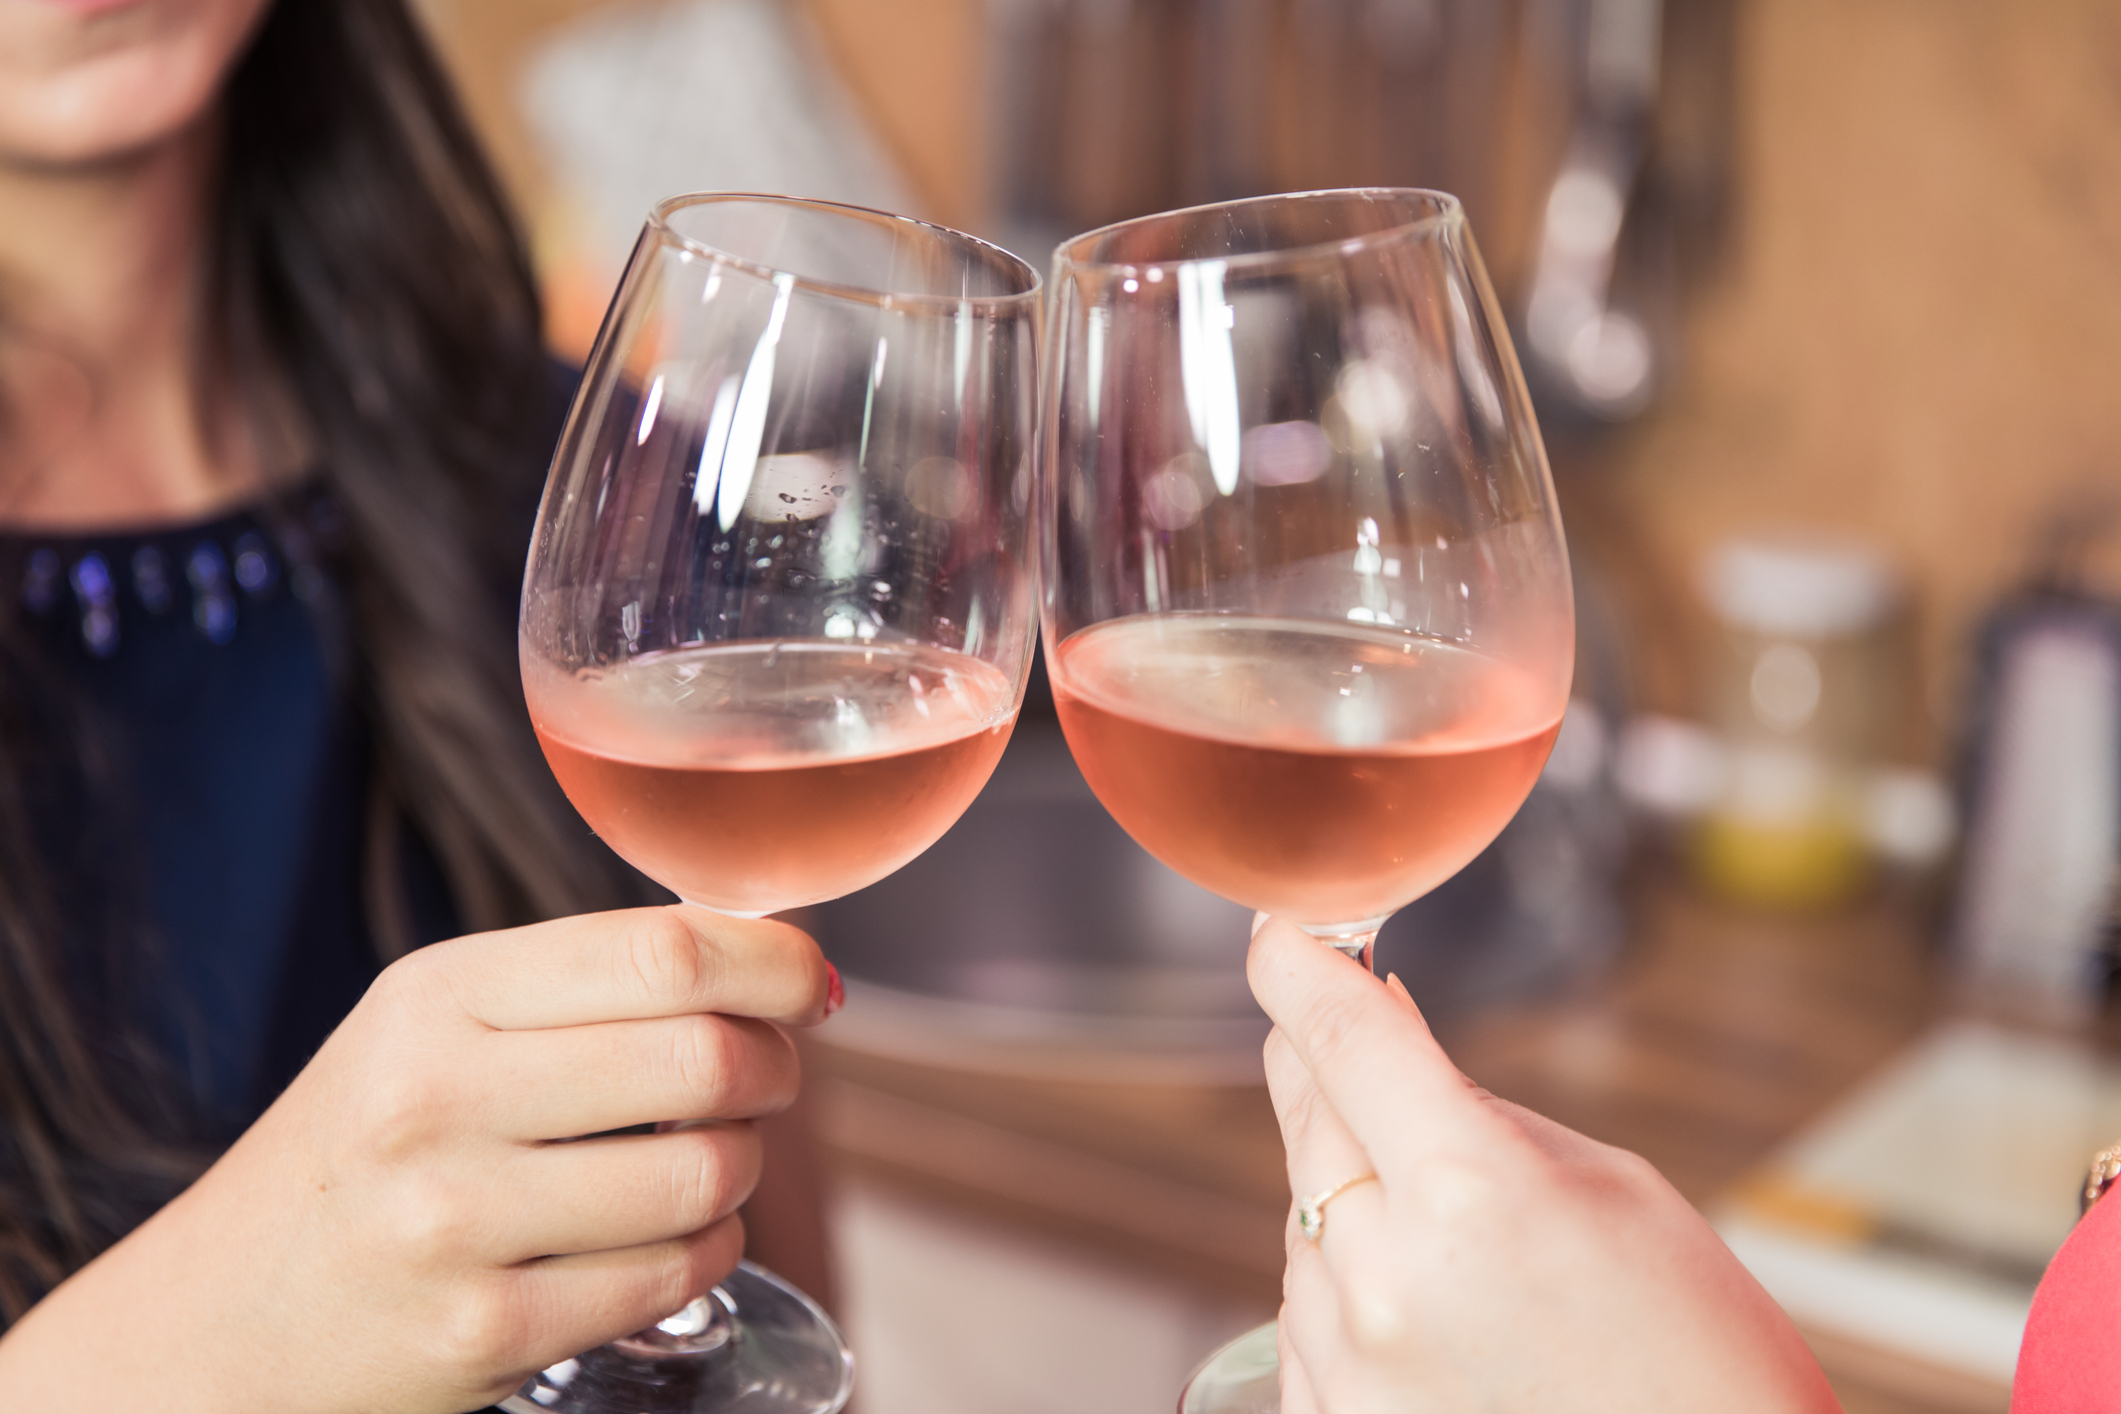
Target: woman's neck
(112, 415)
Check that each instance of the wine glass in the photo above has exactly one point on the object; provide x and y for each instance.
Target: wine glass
(777, 621)
(1306, 601)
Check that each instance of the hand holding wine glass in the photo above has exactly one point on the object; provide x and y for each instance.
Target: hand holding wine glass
(1500, 1263)
(409, 1226)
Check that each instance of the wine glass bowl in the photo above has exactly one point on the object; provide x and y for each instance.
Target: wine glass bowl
(777, 620)
(1307, 603)
(778, 609)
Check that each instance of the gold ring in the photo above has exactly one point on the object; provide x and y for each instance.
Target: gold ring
(1311, 1213)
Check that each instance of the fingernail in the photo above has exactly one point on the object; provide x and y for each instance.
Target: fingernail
(836, 993)
(1259, 921)
(1394, 985)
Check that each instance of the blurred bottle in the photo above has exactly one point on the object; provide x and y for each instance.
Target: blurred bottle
(1801, 687)
(2034, 927)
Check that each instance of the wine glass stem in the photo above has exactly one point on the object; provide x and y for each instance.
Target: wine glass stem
(1358, 946)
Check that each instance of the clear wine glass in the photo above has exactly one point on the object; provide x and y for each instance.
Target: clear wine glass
(777, 621)
(1306, 599)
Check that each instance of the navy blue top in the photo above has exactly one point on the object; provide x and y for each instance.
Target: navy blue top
(198, 657)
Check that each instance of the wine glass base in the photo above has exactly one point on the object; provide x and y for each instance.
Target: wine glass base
(1244, 1377)
(786, 1357)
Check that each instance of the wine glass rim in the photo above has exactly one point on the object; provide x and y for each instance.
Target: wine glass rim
(659, 222)
(1449, 211)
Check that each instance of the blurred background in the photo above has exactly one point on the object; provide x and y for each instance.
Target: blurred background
(1821, 305)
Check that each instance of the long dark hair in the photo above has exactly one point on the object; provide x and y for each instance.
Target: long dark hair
(366, 270)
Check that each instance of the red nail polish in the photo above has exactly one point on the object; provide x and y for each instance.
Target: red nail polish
(836, 994)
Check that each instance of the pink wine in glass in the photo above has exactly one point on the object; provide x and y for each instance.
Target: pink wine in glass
(1325, 773)
(753, 777)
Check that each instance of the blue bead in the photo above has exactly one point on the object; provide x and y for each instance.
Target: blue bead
(213, 606)
(151, 579)
(215, 614)
(92, 579)
(256, 570)
(99, 631)
(206, 567)
(40, 581)
(97, 595)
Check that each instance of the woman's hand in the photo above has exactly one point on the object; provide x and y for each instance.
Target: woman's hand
(1501, 1264)
(404, 1229)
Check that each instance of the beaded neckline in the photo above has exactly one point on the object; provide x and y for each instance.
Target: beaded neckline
(204, 569)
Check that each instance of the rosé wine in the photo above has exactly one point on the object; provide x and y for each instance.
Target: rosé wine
(1327, 773)
(754, 777)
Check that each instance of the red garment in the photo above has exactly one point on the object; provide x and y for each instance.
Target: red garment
(2070, 1359)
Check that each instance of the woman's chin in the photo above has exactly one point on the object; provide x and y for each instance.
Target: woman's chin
(84, 82)
(121, 110)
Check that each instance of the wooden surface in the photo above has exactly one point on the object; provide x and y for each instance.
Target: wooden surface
(1718, 1036)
